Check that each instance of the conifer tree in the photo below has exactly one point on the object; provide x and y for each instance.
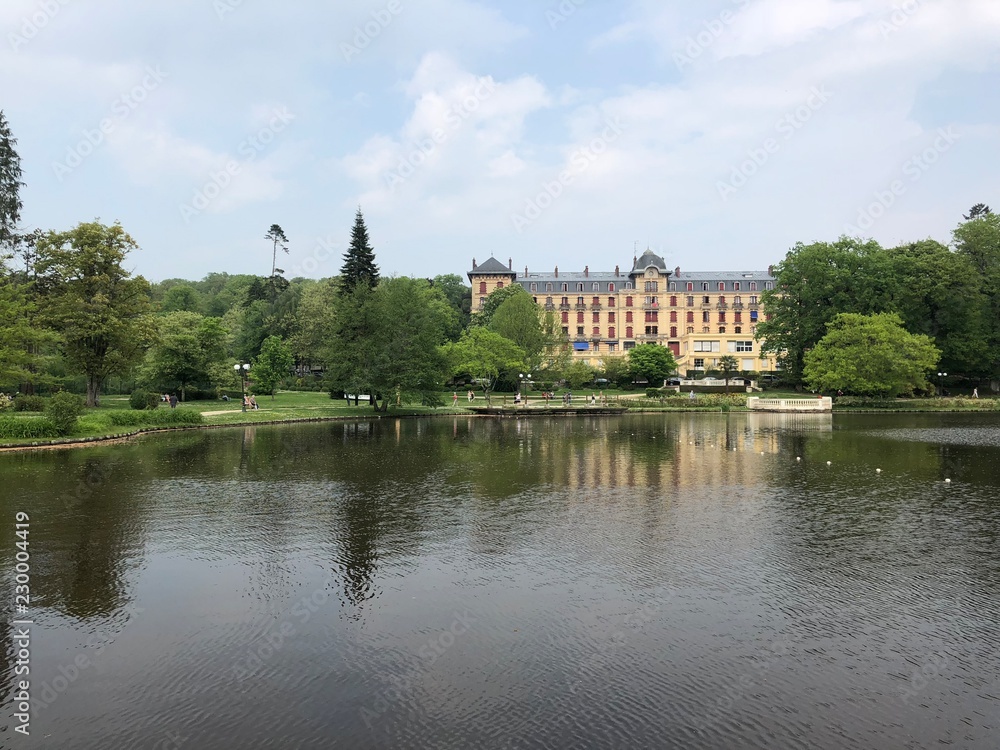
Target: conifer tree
(359, 260)
(10, 186)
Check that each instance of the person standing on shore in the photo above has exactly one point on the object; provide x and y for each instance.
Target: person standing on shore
(454, 399)
(975, 393)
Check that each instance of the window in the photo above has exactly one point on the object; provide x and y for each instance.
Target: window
(548, 301)
(611, 333)
(673, 286)
(704, 286)
(628, 316)
(722, 300)
(741, 346)
(611, 301)
(565, 330)
(534, 286)
(596, 346)
(596, 301)
(706, 329)
(611, 287)
(722, 286)
(722, 329)
(628, 345)
(596, 287)
(673, 301)
(706, 300)
(722, 316)
(628, 302)
(737, 329)
(769, 285)
(705, 316)
(579, 317)
(690, 287)
(707, 346)
(736, 286)
(690, 329)
(482, 287)
(699, 363)
(651, 286)
(597, 317)
(499, 285)
(673, 316)
(597, 331)
(579, 287)
(651, 331)
(746, 364)
(737, 317)
(579, 300)
(613, 347)
(579, 330)
(753, 286)
(737, 300)
(565, 287)
(565, 317)
(628, 332)
(611, 317)
(548, 287)
(628, 284)
(565, 301)
(690, 301)
(753, 316)
(690, 316)
(673, 332)
(535, 300)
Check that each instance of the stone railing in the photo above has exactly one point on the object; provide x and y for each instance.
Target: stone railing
(824, 403)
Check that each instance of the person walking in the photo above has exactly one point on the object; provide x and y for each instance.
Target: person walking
(975, 393)
(454, 399)
(173, 400)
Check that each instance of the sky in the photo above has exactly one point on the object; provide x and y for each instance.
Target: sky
(718, 133)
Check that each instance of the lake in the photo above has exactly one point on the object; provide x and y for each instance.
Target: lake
(647, 581)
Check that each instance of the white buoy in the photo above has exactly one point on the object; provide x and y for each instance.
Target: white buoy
(878, 471)
(798, 458)
(947, 481)
(829, 463)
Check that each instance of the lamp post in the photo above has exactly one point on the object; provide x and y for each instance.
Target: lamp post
(243, 369)
(525, 377)
(941, 375)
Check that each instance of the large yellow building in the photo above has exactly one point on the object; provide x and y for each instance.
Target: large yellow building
(700, 316)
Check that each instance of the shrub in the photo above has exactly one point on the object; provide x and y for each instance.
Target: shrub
(29, 403)
(6, 402)
(26, 428)
(158, 418)
(431, 399)
(144, 400)
(64, 409)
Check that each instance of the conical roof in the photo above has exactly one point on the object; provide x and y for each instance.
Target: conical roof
(647, 259)
(491, 266)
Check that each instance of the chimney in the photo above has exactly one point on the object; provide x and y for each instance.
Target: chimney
(770, 270)
(510, 264)
(677, 272)
(525, 272)
(473, 264)
(617, 271)
(557, 272)
(586, 272)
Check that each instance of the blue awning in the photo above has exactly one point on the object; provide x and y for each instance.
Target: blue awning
(581, 346)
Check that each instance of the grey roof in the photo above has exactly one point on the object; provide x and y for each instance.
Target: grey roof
(490, 266)
(647, 259)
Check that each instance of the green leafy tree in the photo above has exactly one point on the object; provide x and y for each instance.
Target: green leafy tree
(99, 310)
(189, 350)
(651, 362)
(517, 319)
(485, 355)
(814, 283)
(359, 260)
(273, 365)
(870, 355)
(182, 297)
(10, 186)
(728, 366)
(978, 211)
(25, 345)
(578, 374)
(978, 240)
(315, 314)
(459, 296)
(276, 235)
(484, 315)
(615, 370)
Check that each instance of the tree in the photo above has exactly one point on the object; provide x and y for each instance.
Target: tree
(978, 211)
(615, 370)
(485, 356)
(484, 315)
(870, 355)
(517, 319)
(978, 240)
(315, 315)
(651, 363)
(188, 350)
(459, 296)
(97, 307)
(578, 374)
(273, 365)
(728, 365)
(10, 186)
(359, 260)
(182, 297)
(278, 239)
(813, 284)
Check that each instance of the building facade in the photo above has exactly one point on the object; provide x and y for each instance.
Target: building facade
(700, 316)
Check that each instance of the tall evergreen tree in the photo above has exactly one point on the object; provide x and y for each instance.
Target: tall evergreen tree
(10, 186)
(359, 260)
(278, 239)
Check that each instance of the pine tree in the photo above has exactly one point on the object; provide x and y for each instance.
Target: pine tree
(10, 186)
(359, 260)
(277, 236)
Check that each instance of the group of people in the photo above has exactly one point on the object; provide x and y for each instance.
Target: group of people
(169, 398)
(250, 402)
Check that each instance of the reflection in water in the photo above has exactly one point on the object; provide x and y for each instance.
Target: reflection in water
(642, 581)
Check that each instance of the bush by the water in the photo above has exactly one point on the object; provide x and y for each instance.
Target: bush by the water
(158, 418)
(29, 403)
(144, 400)
(64, 409)
(26, 428)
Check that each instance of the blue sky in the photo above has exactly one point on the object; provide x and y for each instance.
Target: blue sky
(568, 133)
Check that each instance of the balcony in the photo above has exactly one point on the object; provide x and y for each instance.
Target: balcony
(581, 306)
(550, 306)
(596, 306)
(722, 306)
(737, 305)
(651, 306)
(564, 306)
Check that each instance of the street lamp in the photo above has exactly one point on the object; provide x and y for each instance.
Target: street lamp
(941, 382)
(243, 369)
(525, 377)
